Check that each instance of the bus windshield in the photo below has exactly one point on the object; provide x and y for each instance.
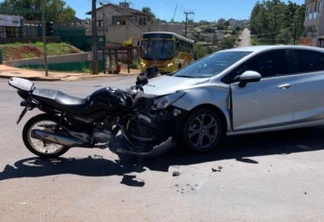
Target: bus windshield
(157, 49)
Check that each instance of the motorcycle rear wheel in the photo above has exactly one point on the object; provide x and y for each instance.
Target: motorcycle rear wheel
(44, 150)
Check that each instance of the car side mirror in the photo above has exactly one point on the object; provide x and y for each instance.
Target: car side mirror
(249, 76)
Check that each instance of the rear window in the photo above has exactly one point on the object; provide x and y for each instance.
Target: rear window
(309, 61)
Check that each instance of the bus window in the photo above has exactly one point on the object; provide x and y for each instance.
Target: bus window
(157, 49)
(166, 50)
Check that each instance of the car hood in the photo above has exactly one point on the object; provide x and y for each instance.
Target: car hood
(164, 85)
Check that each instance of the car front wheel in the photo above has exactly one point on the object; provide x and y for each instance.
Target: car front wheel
(202, 130)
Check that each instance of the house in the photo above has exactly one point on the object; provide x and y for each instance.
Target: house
(76, 22)
(119, 23)
(314, 22)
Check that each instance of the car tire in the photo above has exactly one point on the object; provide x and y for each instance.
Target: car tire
(202, 130)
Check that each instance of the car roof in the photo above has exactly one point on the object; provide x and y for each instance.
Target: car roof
(260, 48)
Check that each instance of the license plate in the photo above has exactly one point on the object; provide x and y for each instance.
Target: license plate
(22, 115)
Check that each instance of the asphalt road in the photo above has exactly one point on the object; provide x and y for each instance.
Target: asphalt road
(245, 38)
(262, 177)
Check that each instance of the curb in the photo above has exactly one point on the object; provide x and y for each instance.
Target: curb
(68, 78)
(33, 78)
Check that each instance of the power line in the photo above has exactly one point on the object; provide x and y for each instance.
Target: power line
(169, 4)
(177, 3)
(174, 13)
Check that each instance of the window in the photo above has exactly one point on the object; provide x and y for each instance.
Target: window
(142, 21)
(309, 61)
(268, 64)
(121, 22)
(157, 49)
(211, 65)
(183, 46)
(100, 23)
(319, 7)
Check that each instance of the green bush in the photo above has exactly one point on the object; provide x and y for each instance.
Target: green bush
(199, 51)
(227, 43)
(134, 65)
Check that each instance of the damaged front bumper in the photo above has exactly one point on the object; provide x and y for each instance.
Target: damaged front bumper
(169, 121)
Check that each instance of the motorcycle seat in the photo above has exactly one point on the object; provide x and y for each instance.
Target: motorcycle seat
(60, 100)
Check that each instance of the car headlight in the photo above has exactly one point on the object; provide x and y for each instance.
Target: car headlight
(166, 101)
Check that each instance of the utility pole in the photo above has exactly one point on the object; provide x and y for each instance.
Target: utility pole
(186, 27)
(103, 19)
(94, 39)
(44, 38)
(295, 31)
(174, 13)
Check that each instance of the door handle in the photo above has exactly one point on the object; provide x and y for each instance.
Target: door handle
(284, 86)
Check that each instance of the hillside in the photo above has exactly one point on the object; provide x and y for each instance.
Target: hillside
(14, 51)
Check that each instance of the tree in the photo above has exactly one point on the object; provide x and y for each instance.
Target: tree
(227, 43)
(277, 22)
(148, 10)
(199, 51)
(203, 22)
(209, 30)
(56, 10)
(284, 36)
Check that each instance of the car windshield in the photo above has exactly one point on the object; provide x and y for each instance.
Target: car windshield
(211, 65)
(157, 49)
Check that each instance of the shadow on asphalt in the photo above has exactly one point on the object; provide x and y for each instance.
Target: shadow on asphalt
(92, 166)
(238, 148)
(244, 147)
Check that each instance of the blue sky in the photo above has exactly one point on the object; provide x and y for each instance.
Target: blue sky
(209, 10)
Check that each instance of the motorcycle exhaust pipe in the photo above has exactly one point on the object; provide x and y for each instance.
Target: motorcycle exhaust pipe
(54, 138)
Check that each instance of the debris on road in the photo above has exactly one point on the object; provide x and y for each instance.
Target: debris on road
(175, 174)
(219, 169)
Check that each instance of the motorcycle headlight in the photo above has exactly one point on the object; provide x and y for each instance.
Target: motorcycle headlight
(166, 101)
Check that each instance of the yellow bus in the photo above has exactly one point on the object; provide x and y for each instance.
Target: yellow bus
(168, 51)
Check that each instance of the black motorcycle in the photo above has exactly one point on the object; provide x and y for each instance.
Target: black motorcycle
(97, 121)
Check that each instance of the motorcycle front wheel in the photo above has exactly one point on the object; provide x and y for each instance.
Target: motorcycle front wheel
(40, 148)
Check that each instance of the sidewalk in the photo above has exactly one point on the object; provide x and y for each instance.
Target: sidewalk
(8, 72)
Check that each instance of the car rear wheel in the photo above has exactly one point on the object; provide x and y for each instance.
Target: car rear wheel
(202, 130)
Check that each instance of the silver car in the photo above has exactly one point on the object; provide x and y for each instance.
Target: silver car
(244, 90)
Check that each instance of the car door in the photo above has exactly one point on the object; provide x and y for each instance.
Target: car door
(309, 86)
(268, 102)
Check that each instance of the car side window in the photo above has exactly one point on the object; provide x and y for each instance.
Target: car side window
(309, 61)
(268, 64)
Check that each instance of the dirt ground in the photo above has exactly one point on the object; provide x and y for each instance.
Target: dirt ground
(29, 51)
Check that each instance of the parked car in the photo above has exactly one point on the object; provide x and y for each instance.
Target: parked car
(244, 90)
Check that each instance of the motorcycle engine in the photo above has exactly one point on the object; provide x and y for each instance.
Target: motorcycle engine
(102, 136)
